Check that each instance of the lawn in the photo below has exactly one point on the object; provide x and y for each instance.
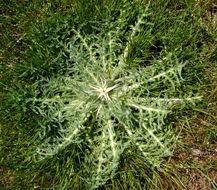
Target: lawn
(108, 94)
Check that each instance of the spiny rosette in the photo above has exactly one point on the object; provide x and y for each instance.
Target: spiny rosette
(111, 107)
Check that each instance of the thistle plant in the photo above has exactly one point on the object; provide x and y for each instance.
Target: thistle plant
(112, 106)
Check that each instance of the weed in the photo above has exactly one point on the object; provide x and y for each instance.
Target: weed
(100, 89)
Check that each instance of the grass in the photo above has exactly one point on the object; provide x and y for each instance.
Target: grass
(30, 49)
